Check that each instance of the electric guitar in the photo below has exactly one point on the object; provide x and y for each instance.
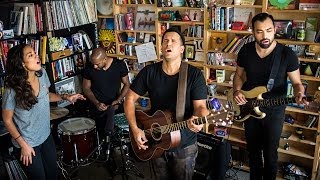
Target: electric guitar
(163, 132)
(255, 100)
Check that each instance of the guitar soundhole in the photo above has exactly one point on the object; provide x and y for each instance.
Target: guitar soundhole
(156, 131)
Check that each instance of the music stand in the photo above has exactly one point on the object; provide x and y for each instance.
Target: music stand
(127, 165)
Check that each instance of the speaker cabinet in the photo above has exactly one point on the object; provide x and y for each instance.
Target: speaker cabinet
(213, 157)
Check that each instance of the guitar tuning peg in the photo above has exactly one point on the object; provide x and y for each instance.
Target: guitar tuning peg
(230, 122)
(224, 123)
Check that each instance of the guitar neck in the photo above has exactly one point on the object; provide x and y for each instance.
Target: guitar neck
(217, 118)
(181, 125)
(272, 102)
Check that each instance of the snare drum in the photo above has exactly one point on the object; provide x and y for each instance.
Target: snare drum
(78, 138)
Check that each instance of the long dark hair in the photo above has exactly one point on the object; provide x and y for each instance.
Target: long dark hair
(17, 77)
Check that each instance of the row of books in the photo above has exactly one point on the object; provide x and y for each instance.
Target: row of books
(311, 121)
(134, 1)
(35, 42)
(222, 18)
(63, 68)
(136, 37)
(127, 49)
(69, 13)
(236, 44)
(26, 18)
(194, 31)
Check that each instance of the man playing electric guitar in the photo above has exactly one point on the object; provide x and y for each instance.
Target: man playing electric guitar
(160, 80)
(256, 62)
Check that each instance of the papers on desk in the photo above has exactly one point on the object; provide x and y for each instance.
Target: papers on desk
(146, 52)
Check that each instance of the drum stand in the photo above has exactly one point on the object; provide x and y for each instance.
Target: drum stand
(127, 165)
(75, 167)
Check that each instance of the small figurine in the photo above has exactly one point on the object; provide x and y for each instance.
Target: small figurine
(177, 16)
(186, 17)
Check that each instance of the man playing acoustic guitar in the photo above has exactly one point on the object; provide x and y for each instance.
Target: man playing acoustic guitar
(255, 63)
(160, 80)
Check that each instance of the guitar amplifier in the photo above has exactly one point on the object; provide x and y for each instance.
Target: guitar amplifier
(213, 157)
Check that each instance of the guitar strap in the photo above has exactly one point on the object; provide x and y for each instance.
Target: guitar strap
(181, 92)
(275, 66)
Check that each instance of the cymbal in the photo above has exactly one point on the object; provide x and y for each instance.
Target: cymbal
(58, 112)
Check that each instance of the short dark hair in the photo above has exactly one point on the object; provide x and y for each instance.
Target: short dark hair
(172, 29)
(261, 17)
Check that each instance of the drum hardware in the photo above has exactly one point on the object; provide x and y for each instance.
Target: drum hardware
(127, 163)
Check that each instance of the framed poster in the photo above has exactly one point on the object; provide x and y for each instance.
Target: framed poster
(189, 52)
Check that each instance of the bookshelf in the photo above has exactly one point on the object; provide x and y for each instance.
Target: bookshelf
(213, 41)
(72, 34)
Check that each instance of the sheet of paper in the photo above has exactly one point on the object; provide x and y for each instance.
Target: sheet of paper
(146, 52)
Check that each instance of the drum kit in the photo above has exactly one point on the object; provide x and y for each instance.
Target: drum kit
(81, 145)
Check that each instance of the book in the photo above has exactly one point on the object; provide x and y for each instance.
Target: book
(140, 37)
(16, 22)
(129, 21)
(230, 44)
(77, 41)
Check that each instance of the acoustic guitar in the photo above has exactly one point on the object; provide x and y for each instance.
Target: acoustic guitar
(163, 132)
(255, 100)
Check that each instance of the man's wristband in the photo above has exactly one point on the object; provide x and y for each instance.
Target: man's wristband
(63, 96)
(236, 91)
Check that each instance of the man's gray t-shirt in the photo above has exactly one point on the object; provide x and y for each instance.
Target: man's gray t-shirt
(33, 124)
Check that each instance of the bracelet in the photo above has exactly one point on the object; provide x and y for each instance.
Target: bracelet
(17, 137)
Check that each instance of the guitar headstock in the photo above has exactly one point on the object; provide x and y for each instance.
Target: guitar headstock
(221, 117)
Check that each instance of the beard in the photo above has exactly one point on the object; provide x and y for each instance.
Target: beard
(263, 45)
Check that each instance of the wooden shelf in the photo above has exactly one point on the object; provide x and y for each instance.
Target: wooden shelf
(299, 110)
(198, 64)
(134, 5)
(179, 8)
(295, 152)
(222, 84)
(122, 56)
(295, 138)
(226, 67)
(219, 96)
(287, 41)
(309, 78)
(309, 60)
(105, 16)
(131, 43)
(192, 23)
(300, 126)
(241, 6)
(292, 11)
(135, 31)
(232, 31)
(236, 139)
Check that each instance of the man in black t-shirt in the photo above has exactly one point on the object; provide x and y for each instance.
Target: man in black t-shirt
(101, 85)
(255, 62)
(160, 80)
